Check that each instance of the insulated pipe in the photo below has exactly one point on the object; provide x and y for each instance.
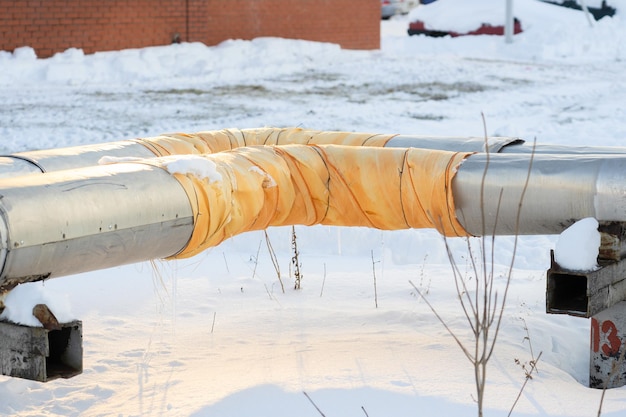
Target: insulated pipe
(227, 139)
(214, 141)
(72, 221)
(76, 220)
(14, 166)
(36, 162)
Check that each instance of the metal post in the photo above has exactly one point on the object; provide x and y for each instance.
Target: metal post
(508, 26)
(583, 6)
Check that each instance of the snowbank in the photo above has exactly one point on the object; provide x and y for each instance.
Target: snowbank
(227, 62)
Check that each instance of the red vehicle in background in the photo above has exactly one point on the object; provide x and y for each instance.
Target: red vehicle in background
(459, 18)
(486, 17)
(419, 28)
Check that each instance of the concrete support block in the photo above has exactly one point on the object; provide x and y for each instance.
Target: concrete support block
(40, 354)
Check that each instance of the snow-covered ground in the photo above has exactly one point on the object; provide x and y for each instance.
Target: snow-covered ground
(214, 335)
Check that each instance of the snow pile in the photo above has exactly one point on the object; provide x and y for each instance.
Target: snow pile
(193, 164)
(452, 15)
(550, 33)
(226, 62)
(578, 246)
(269, 181)
(20, 301)
(110, 160)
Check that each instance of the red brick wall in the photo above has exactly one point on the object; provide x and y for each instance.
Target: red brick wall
(51, 26)
(354, 24)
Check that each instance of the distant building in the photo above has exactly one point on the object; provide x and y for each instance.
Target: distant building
(51, 26)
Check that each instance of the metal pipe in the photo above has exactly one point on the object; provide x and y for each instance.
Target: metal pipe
(80, 219)
(70, 221)
(66, 222)
(561, 190)
(14, 166)
(38, 161)
(498, 144)
(48, 160)
(78, 216)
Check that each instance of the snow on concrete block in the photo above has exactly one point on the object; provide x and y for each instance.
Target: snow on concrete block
(578, 246)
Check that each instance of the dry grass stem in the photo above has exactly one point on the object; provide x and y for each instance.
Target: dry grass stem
(274, 259)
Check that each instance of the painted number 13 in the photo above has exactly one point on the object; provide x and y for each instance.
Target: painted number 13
(610, 343)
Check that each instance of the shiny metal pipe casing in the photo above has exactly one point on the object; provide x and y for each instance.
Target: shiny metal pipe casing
(12, 166)
(49, 160)
(562, 189)
(522, 147)
(66, 222)
(31, 162)
(453, 143)
(498, 144)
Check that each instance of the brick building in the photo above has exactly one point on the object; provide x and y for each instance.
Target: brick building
(51, 26)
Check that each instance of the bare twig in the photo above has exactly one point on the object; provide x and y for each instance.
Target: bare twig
(314, 405)
(530, 345)
(516, 239)
(442, 321)
(274, 259)
(256, 259)
(323, 280)
(533, 367)
(422, 275)
(295, 261)
(267, 290)
(226, 262)
(482, 306)
(374, 273)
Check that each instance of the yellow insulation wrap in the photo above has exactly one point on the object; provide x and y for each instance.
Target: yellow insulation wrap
(251, 188)
(228, 139)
